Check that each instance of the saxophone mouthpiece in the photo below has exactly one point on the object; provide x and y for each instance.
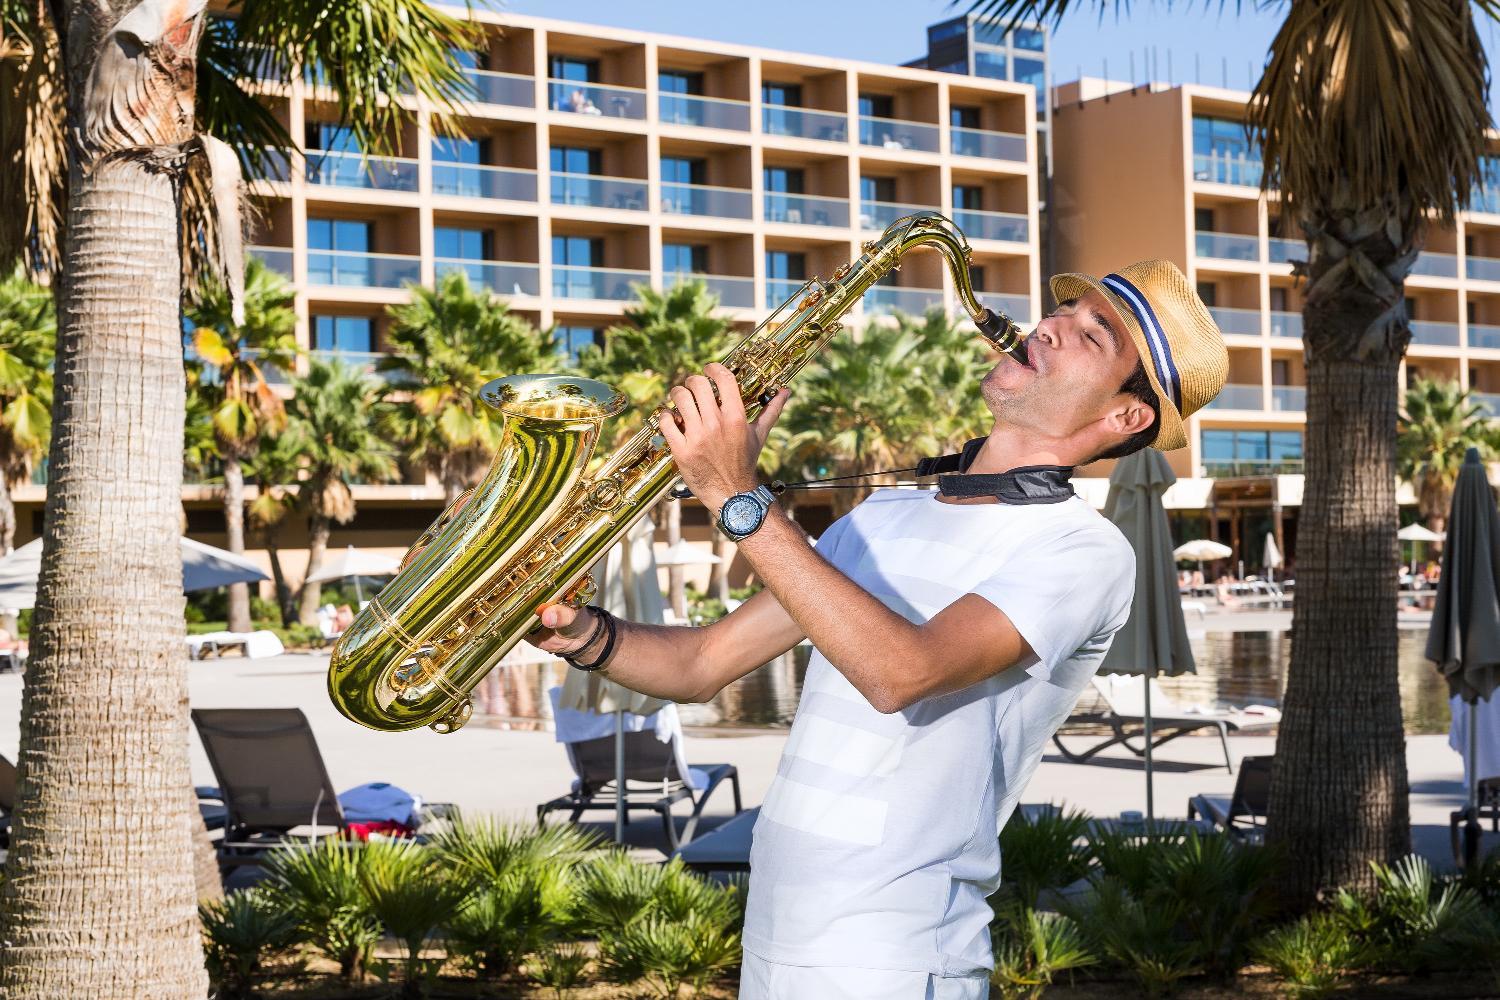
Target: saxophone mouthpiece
(1001, 333)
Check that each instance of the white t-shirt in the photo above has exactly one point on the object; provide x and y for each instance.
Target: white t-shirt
(877, 842)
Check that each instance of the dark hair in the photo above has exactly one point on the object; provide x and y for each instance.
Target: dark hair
(1139, 386)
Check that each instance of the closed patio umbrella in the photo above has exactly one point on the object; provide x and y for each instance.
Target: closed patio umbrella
(1154, 638)
(203, 568)
(1464, 638)
(356, 563)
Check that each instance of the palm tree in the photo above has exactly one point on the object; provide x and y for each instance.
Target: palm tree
(237, 358)
(667, 337)
(332, 422)
(448, 342)
(274, 466)
(125, 124)
(1439, 423)
(28, 329)
(1371, 119)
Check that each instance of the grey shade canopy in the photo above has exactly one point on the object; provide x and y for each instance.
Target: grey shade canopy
(355, 562)
(203, 567)
(1464, 638)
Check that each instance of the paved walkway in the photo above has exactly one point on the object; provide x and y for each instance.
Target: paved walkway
(507, 772)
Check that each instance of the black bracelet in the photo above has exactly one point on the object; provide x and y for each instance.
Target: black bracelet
(607, 623)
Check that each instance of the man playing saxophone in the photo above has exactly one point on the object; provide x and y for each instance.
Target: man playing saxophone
(953, 633)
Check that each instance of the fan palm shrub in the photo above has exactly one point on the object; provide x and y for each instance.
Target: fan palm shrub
(240, 932)
(411, 895)
(1145, 938)
(1032, 947)
(1048, 851)
(560, 966)
(319, 886)
(1315, 956)
(1416, 922)
(668, 954)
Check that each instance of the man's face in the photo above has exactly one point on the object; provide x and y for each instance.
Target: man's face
(1078, 358)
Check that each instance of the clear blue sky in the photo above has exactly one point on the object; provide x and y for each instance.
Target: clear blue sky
(893, 31)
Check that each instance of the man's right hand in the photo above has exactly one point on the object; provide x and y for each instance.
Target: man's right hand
(562, 629)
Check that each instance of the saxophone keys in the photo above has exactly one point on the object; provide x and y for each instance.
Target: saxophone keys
(454, 720)
(581, 593)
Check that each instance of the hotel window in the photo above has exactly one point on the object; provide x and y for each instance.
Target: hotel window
(1032, 39)
(345, 334)
(575, 339)
(1209, 293)
(1281, 371)
(575, 160)
(683, 170)
(877, 106)
(783, 180)
(877, 189)
(990, 63)
(787, 95)
(968, 198)
(673, 81)
(1034, 72)
(577, 251)
(989, 32)
(338, 234)
(331, 138)
(469, 59)
(684, 258)
(957, 66)
(786, 265)
(574, 69)
(451, 149)
(456, 243)
(1248, 452)
(1223, 138)
(976, 276)
(963, 117)
(1203, 220)
(1278, 300)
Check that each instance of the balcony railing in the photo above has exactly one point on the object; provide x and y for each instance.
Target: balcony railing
(365, 361)
(1017, 307)
(361, 270)
(594, 100)
(1228, 246)
(1436, 265)
(1221, 169)
(277, 164)
(1485, 200)
(511, 90)
(1238, 397)
(988, 145)
(350, 170)
(1431, 334)
(472, 180)
(701, 199)
(876, 215)
(1286, 324)
(600, 192)
(893, 298)
(1482, 268)
(1489, 401)
(1233, 468)
(734, 293)
(806, 209)
(890, 133)
(1005, 226)
(1242, 321)
(778, 290)
(1482, 335)
(278, 259)
(1289, 398)
(1283, 251)
(501, 278)
(801, 123)
(609, 283)
(704, 112)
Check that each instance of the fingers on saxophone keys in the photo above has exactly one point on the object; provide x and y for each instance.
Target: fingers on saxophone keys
(703, 395)
(728, 390)
(687, 408)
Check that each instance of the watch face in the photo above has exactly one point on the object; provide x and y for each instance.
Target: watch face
(741, 515)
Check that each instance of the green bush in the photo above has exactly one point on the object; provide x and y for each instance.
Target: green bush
(614, 890)
(411, 895)
(668, 953)
(1315, 956)
(499, 924)
(560, 967)
(1220, 885)
(1032, 947)
(23, 622)
(239, 933)
(1416, 922)
(1146, 939)
(319, 886)
(263, 610)
(1048, 852)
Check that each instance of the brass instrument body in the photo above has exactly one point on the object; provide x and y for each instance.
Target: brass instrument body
(540, 519)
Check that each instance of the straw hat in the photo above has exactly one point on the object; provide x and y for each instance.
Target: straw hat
(1180, 345)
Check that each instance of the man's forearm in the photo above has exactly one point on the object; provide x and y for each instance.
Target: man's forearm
(664, 661)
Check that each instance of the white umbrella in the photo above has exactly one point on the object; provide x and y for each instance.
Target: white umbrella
(684, 553)
(1202, 550)
(356, 563)
(1418, 532)
(203, 567)
(1271, 556)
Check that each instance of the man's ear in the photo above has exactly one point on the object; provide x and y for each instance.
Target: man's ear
(1130, 415)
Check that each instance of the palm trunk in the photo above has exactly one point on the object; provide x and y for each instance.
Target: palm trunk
(718, 574)
(7, 517)
(676, 589)
(278, 579)
(99, 896)
(234, 532)
(319, 527)
(1339, 788)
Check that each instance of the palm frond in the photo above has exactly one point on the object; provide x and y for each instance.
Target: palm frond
(33, 150)
(229, 110)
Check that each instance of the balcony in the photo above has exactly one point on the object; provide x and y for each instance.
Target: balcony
(778, 290)
(1430, 334)
(700, 199)
(875, 216)
(1481, 335)
(472, 180)
(596, 101)
(703, 112)
(1227, 246)
(1289, 398)
(893, 298)
(343, 268)
(1482, 268)
(350, 170)
(1286, 324)
(500, 278)
(1231, 468)
(612, 284)
(1238, 397)
(733, 293)
(1284, 251)
(510, 90)
(1488, 401)
(1003, 226)
(1485, 200)
(988, 145)
(1436, 265)
(1017, 307)
(1221, 169)
(625, 193)
(806, 209)
(365, 361)
(278, 259)
(893, 134)
(1241, 321)
(803, 124)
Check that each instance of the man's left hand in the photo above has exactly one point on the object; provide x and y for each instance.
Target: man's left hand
(716, 446)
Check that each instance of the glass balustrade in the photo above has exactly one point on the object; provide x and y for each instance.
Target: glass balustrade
(472, 180)
(1286, 324)
(1223, 169)
(806, 210)
(1431, 334)
(599, 192)
(610, 283)
(988, 145)
(1229, 469)
(1241, 321)
(384, 173)
(1436, 265)
(804, 124)
(365, 361)
(1017, 307)
(1228, 246)
(278, 259)
(1482, 268)
(893, 298)
(1283, 251)
(700, 199)
(1289, 398)
(1488, 401)
(705, 112)
(874, 216)
(890, 133)
(507, 89)
(501, 278)
(1484, 335)
(1238, 397)
(361, 270)
(992, 225)
(778, 290)
(596, 101)
(733, 293)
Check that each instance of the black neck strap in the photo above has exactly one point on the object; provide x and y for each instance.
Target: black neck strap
(1025, 485)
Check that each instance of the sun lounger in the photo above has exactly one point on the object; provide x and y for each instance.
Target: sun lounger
(725, 848)
(253, 645)
(1243, 814)
(1118, 701)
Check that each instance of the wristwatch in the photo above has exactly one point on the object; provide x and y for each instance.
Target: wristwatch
(744, 513)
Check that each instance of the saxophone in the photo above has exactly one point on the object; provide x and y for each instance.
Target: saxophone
(527, 535)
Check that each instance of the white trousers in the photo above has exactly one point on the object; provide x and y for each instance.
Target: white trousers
(762, 980)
